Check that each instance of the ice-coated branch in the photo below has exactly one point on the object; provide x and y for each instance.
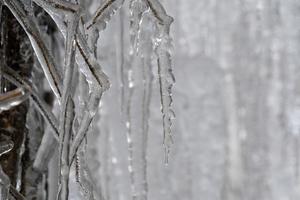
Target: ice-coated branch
(93, 72)
(41, 51)
(84, 57)
(64, 147)
(64, 5)
(15, 193)
(105, 12)
(42, 107)
(87, 118)
(12, 98)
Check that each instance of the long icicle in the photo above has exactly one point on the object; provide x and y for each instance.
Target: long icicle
(134, 126)
(166, 77)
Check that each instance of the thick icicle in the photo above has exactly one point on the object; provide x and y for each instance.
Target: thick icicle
(12, 98)
(137, 104)
(105, 12)
(166, 77)
(145, 50)
(38, 45)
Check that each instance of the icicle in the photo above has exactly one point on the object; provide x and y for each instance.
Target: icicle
(166, 77)
(105, 12)
(129, 134)
(12, 98)
(38, 45)
(144, 48)
(120, 50)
